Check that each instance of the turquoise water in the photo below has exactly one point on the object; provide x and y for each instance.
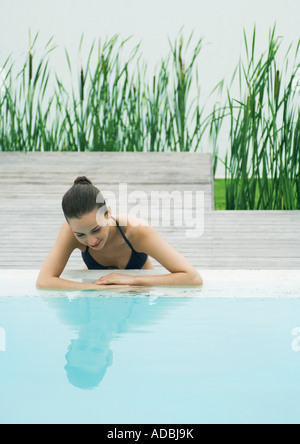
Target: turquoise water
(149, 359)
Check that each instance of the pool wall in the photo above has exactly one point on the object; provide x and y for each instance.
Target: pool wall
(217, 284)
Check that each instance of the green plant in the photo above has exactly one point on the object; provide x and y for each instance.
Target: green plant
(24, 114)
(264, 153)
(114, 107)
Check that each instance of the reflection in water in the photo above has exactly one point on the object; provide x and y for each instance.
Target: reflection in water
(97, 321)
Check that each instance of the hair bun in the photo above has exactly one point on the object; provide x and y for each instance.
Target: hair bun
(82, 180)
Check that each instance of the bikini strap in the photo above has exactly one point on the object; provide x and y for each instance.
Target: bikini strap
(124, 237)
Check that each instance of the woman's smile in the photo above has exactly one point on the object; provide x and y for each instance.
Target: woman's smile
(96, 245)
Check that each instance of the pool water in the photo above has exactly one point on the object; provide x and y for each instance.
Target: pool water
(152, 357)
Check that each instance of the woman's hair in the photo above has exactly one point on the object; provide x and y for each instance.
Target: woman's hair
(81, 199)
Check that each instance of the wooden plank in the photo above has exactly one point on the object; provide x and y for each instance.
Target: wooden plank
(32, 186)
(38, 176)
(112, 166)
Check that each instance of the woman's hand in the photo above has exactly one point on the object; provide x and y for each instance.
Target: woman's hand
(116, 279)
(94, 286)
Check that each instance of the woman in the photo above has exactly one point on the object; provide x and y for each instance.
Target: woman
(91, 227)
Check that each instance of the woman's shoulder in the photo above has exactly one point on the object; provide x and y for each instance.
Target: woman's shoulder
(130, 221)
(133, 227)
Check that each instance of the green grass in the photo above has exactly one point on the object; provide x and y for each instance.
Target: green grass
(220, 194)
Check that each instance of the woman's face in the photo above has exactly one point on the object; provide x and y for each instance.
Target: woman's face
(92, 229)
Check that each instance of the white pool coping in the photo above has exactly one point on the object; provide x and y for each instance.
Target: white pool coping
(217, 284)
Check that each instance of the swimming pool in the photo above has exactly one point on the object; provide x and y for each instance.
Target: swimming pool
(225, 353)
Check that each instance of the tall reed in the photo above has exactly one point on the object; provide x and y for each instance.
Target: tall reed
(182, 109)
(262, 163)
(117, 106)
(25, 115)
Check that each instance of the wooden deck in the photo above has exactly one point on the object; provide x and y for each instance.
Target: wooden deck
(33, 184)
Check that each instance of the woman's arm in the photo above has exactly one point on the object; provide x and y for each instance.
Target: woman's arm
(54, 265)
(146, 239)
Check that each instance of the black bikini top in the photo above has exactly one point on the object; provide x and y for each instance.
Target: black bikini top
(136, 261)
